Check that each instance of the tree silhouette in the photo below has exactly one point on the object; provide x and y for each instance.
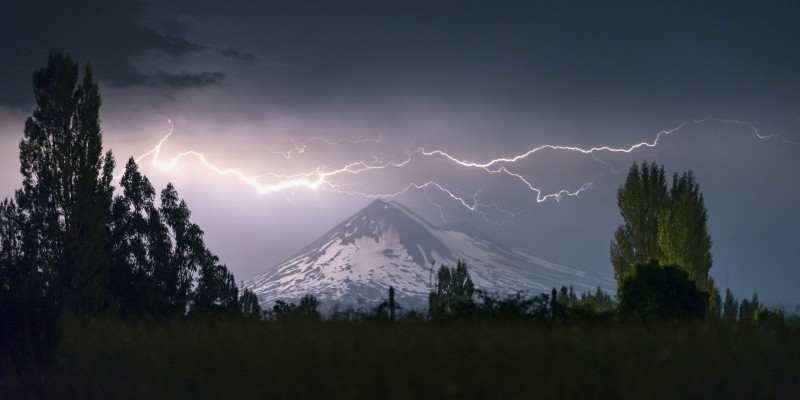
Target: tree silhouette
(306, 310)
(683, 232)
(158, 251)
(454, 294)
(248, 304)
(216, 289)
(66, 189)
(665, 226)
(134, 228)
(656, 291)
(65, 246)
(730, 307)
(640, 199)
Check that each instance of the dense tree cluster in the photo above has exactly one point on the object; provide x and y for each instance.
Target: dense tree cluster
(68, 245)
(663, 225)
(454, 293)
(305, 310)
(669, 226)
(455, 297)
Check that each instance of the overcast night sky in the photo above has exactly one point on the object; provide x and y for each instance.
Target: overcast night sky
(246, 83)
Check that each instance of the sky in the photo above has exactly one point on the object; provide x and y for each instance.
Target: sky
(402, 99)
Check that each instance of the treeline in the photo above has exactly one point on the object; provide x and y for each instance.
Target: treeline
(69, 246)
(670, 295)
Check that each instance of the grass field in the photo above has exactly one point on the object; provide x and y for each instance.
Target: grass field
(499, 360)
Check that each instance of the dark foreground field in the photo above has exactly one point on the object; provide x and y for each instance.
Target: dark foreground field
(207, 359)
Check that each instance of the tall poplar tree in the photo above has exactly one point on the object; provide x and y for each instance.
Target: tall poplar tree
(640, 199)
(66, 190)
(683, 232)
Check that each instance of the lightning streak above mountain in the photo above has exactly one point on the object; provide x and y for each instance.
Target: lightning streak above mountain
(322, 178)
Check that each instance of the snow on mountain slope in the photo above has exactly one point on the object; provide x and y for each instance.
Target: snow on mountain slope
(386, 244)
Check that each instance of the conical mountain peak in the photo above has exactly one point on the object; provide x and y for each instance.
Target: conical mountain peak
(386, 244)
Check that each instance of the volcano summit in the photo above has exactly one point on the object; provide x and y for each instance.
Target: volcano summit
(386, 244)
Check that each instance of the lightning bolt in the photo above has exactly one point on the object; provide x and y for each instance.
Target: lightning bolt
(300, 147)
(323, 179)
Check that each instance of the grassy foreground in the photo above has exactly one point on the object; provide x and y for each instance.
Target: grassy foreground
(224, 359)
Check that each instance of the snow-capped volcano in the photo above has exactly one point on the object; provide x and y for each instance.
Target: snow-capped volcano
(386, 244)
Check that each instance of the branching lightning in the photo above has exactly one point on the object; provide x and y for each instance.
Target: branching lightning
(322, 178)
(300, 147)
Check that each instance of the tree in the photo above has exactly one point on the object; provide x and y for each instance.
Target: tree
(138, 244)
(67, 244)
(665, 226)
(248, 304)
(10, 245)
(656, 291)
(683, 232)
(27, 309)
(599, 299)
(189, 251)
(730, 307)
(283, 311)
(454, 295)
(305, 311)
(748, 309)
(767, 318)
(216, 289)
(392, 305)
(640, 199)
(158, 251)
(307, 308)
(66, 190)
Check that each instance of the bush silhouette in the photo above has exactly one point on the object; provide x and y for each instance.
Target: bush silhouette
(656, 291)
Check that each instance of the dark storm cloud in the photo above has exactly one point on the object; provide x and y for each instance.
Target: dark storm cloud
(109, 35)
(557, 56)
(236, 54)
(189, 79)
